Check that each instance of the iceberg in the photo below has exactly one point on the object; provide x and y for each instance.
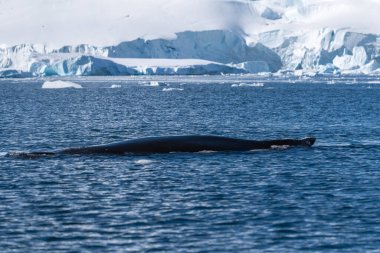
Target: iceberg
(13, 73)
(81, 66)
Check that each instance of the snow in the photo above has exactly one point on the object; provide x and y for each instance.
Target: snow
(58, 23)
(60, 85)
(154, 62)
(102, 23)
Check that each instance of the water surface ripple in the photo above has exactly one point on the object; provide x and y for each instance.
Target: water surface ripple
(326, 198)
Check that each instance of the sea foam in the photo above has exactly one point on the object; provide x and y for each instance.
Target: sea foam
(143, 162)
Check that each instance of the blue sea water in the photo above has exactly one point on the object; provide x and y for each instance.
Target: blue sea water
(320, 199)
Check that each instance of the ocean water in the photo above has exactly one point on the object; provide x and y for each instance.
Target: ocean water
(325, 198)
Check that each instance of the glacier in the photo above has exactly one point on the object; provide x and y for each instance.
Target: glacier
(222, 52)
(208, 37)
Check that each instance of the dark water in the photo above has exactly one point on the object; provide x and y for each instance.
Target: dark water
(326, 198)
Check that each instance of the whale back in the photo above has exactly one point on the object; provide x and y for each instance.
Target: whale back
(189, 143)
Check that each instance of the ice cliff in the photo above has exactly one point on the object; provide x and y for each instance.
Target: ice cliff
(223, 52)
(329, 51)
(180, 37)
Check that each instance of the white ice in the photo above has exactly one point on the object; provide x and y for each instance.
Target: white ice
(60, 85)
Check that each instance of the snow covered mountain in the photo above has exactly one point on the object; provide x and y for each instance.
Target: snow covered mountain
(132, 37)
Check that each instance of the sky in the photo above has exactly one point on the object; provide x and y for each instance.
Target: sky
(102, 23)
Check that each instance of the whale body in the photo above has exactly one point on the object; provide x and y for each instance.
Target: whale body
(187, 143)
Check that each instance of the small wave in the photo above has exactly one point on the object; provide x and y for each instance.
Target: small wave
(334, 144)
(115, 86)
(207, 152)
(60, 85)
(373, 82)
(371, 142)
(3, 153)
(363, 144)
(172, 89)
(143, 162)
(248, 85)
(26, 155)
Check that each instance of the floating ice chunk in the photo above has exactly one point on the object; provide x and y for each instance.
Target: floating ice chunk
(154, 83)
(331, 82)
(157, 84)
(60, 85)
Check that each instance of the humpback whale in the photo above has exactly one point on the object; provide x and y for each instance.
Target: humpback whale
(187, 143)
